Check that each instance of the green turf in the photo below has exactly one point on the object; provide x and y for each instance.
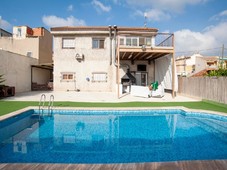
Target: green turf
(10, 106)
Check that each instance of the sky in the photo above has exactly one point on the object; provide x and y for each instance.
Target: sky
(199, 26)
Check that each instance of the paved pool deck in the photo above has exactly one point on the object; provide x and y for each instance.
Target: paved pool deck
(95, 97)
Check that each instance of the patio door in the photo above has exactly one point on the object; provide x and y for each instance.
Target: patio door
(141, 78)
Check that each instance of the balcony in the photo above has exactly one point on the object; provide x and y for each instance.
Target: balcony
(146, 47)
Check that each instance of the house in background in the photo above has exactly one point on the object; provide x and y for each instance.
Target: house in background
(4, 33)
(112, 59)
(27, 52)
(196, 64)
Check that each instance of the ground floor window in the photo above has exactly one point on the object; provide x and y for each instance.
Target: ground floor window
(68, 76)
(99, 77)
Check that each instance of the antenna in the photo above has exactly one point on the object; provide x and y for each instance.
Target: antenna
(145, 20)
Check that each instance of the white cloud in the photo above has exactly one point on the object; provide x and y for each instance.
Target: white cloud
(100, 7)
(70, 8)
(5, 24)
(219, 16)
(154, 14)
(213, 37)
(166, 5)
(158, 10)
(54, 21)
(157, 15)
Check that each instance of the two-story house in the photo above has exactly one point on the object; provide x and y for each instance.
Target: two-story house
(106, 59)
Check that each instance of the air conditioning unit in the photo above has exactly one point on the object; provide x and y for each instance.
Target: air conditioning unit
(79, 57)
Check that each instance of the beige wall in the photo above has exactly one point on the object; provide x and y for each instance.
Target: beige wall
(200, 64)
(96, 60)
(17, 70)
(21, 46)
(46, 47)
(41, 76)
(41, 47)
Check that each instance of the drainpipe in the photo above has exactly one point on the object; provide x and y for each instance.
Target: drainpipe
(115, 35)
(110, 36)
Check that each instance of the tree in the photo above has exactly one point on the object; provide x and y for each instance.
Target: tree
(218, 73)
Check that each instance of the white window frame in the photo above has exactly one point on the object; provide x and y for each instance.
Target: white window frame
(131, 41)
(148, 41)
(98, 43)
(99, 77)
(68, 43)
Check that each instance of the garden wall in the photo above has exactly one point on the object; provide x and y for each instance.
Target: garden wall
(16, 70)
(209, 88)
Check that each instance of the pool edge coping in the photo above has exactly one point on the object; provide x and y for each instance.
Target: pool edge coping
(114, 108)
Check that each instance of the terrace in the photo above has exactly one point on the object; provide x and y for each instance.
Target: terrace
(148, 47)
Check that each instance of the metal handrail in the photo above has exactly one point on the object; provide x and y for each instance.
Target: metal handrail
(51, 105)
(42, 103)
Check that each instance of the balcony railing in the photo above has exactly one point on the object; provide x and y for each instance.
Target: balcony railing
(164, 40)
(158, 40)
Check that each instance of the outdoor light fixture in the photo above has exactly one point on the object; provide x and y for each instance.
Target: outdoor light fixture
(79, 57)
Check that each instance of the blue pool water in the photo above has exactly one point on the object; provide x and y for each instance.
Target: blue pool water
(113, 137)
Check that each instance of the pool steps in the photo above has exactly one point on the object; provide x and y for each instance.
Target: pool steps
(42, 105)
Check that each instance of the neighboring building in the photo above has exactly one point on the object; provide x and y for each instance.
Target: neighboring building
(188, 66)
(4, 33)
(98, 58)
(35, 43)
(16, 70)
(31, 47)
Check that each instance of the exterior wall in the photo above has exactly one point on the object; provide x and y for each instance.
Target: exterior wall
(95, 60)
(21, 32)
(200, 64)
(17, 75)
(45, 46)
(21, 46)
(39, 47)
(180, 66)
(38, 31)
(41, 76)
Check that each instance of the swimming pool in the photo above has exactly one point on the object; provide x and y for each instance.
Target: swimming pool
(112, 136)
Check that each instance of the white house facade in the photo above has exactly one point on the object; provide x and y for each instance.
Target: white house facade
(98, 58)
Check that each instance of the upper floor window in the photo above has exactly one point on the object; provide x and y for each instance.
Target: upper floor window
(68, 43)
(97, 43)
(136, 41)
(132, 41)
(144, 41)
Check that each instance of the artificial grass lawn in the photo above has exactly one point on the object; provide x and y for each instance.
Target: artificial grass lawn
(10, 106)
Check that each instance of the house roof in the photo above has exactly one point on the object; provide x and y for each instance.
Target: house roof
(203, 72)
(103, 28)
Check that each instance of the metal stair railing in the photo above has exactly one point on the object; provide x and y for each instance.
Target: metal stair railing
(42, 104)
(51, 105)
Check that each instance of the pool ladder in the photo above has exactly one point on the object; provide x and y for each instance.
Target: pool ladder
(42, 105)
